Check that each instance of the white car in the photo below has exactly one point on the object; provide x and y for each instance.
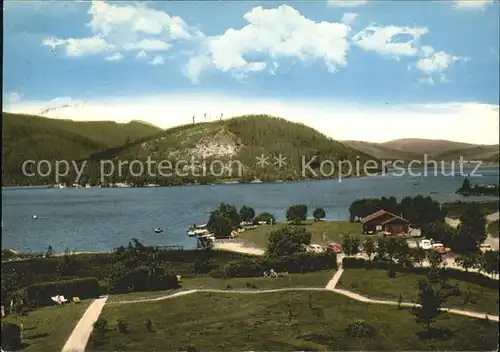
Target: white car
(425, 244)
(315, 248)
(485, 247)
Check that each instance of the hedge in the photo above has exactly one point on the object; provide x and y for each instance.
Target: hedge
(472, 277)
(139, 279)
(11, 337)
(298, 263)
(40, 294)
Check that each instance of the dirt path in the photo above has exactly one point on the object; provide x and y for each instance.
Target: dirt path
(493, 217)
(335, 279)
(81, 333)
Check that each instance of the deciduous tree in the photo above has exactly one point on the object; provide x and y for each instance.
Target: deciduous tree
(296, 214)
(318, 214)
(288, 240)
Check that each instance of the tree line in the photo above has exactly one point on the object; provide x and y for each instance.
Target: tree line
(418, 210)
(227, 218)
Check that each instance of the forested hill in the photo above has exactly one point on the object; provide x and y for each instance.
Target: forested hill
(240, 139)
(26, 137)
(245, 139)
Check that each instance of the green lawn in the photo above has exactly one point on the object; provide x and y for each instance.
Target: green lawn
(232, 322)
(375, 283)
(48, 328)
(492, 229)
(332, 230)
(316, 279)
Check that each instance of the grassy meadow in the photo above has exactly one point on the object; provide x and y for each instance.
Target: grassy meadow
(285, 321)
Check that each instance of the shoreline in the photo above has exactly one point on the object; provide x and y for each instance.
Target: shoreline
(230, 182)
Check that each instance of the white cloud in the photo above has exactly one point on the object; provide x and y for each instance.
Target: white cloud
(349, 17)
(426, 50)
(128, 27)
(471, 122)
(434, 64)
(346, 3)
(114, 57)
(12, 97)
(472, 4)
(108, 18)
(148, 45)
(141, 55)
(275, 33)
(383, 40)
(157, 60)
(79, 47)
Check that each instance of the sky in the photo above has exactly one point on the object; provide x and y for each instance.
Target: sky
(354, 70)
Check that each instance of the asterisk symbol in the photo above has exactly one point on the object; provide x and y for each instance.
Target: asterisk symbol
(280, 160)
(262, 160)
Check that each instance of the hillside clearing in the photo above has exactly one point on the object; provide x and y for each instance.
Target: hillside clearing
(375, 283)
(217, 321)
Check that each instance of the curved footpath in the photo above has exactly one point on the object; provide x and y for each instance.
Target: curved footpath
(81, 334)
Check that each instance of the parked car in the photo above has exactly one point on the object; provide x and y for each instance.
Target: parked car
(333, 247)
(315, 248)
(425, 244)
(485, 247)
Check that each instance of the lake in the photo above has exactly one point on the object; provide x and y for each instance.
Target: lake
(100, 219)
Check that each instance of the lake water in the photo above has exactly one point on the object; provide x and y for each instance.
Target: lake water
(100, 219)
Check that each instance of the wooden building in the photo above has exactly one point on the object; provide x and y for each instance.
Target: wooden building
(383, 221)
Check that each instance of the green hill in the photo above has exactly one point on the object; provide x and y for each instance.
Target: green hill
(242, 139)
(234, 143)
(27, 137)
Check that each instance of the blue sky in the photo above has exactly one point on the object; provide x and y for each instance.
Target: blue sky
(372, 59)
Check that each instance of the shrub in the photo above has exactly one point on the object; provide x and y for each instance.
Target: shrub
(122, 326)
(134, 280)
(360, 329)
(244, 268)
(391, 273)
(165, 282)
(139, 279)
(100, 331)
(39, 294)
(201, 266)
(296, 263)
(218, 273)
(11, 337)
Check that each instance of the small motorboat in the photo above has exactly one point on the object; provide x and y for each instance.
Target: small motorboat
(158, 230)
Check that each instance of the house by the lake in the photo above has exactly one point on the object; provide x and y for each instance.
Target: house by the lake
(384, 221)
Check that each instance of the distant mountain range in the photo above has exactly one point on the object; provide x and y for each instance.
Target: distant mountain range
(436, 149)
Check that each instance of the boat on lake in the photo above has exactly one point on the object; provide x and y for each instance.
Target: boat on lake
(158, 230)
(197, 230)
